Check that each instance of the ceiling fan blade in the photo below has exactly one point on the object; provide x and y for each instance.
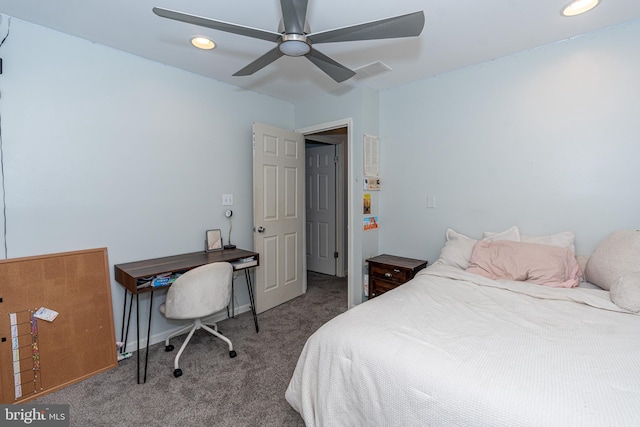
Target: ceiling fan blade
(260, 63)
(409, 25)
(217, 25)
(294, 14)
(336, 71)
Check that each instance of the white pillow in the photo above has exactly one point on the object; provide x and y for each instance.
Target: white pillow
(582, 262)
(625, 292)
(615, 256)
(457, 250)
(511, 233)
(565, 239)
(458, 247)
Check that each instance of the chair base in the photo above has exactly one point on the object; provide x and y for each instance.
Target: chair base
(212, 328)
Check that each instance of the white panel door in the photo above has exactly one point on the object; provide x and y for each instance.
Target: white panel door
(321, 208)
(278, 215)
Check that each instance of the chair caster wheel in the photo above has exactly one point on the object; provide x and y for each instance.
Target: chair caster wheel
(168, 347)
(177, 373)
(232, 354)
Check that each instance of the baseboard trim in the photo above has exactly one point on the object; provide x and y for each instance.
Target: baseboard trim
(132, 345)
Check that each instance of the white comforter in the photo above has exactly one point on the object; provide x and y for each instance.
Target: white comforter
(453, 348)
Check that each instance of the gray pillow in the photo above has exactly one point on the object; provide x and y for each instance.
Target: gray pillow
(615, 256)
(625, 292)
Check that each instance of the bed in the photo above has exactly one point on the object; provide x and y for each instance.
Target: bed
(453, 347)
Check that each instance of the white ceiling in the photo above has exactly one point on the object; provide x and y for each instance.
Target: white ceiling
(456, 34)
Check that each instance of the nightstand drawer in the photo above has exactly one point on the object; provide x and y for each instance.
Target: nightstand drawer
(379, 287)
(390, 273)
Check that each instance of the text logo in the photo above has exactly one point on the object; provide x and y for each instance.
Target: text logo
(34, 415)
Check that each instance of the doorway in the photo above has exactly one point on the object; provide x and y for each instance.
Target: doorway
(325, 205)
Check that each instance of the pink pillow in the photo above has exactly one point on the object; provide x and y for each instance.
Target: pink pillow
(525, 262)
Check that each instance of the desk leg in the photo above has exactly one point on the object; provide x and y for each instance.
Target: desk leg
(138, 335)
(124, 332)
(253, 305)
(123, 337)
(124, 315)
(146, 357)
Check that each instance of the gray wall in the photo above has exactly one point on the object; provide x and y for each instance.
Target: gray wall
(548, 140)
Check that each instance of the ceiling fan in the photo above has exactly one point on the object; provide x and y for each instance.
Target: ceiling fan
(295, 39)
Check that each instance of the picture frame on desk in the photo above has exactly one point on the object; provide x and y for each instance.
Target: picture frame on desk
(213, 240)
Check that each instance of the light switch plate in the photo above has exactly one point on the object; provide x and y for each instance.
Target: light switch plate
(371, 183)
(227, 200)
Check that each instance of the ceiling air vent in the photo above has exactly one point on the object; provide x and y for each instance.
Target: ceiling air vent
(371, 70)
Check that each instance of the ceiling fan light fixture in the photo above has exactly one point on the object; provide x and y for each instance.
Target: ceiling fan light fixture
(202, 42)
(577, 7)
(294, 45)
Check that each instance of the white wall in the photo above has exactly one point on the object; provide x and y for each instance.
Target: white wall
(548, 140)
(105, 149)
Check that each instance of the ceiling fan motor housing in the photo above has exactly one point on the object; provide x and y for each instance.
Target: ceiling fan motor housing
(294, 45)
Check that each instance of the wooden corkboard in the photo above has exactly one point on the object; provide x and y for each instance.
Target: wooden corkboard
(79, 343)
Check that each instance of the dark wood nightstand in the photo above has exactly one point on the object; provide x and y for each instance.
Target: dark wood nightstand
(387, 272)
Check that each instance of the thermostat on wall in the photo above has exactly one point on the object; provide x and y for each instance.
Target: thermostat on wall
(371, 183)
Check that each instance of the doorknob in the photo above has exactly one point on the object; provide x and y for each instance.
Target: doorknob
(261, 229)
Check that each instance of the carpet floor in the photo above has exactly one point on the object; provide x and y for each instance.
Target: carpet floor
(214, 389)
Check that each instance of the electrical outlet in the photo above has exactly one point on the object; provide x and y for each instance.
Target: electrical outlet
(227, 200)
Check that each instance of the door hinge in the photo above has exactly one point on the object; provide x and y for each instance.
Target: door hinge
(335, 254)
(335, 159)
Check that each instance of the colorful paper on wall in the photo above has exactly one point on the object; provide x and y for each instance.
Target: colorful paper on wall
(370, 223)
(366, 204)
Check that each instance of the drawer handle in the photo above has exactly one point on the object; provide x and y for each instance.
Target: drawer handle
(388, 274)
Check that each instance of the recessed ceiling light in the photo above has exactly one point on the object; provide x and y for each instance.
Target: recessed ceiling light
(203, 42)
(576, 7)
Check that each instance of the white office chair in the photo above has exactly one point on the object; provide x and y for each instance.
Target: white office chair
(196, 294)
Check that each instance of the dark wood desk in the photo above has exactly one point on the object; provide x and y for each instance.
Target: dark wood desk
(129, 275)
